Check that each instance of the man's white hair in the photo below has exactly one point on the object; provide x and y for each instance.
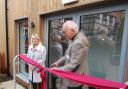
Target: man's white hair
(70, 24)
(103, 30)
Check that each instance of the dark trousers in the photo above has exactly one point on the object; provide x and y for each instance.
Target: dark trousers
(35, 85)
(54, 78)
(79, 87)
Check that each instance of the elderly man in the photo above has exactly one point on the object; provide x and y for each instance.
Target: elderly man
(76, 54)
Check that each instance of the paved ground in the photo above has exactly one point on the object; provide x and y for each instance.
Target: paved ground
(9, 85)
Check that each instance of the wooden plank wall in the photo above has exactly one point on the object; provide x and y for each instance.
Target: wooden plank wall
(2, 64)
(46, 6)
(2, 27)
(32, 9)
(18, 9)
(2, 37)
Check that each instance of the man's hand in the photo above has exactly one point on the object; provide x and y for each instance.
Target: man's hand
(52, 68)
(54, 65)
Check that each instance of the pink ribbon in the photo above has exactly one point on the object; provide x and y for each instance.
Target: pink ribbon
(82, 79)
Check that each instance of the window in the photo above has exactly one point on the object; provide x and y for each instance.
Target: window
(104, 31)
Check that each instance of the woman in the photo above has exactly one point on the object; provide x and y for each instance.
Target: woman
(36, 52)
(56, 53)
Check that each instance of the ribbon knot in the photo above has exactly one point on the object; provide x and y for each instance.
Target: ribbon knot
(42, 72)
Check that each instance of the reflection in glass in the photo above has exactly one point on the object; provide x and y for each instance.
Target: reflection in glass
(104, 32)
(23, 44)
(57, 46)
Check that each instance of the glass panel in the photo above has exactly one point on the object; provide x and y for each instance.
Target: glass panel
(104, 31)
(23, 45)
(57, 47)
(23, 37)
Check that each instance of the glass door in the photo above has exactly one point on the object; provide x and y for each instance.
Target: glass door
(22, 27)
(57, 46)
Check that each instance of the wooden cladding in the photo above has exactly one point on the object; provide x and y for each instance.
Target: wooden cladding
(2, 63)
(46, 6)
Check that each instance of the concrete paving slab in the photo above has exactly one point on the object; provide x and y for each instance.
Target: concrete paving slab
(9, 85)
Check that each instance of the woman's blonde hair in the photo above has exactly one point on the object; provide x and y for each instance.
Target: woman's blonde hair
(35, 35)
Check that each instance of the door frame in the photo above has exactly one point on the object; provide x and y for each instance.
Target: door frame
(17, 33)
